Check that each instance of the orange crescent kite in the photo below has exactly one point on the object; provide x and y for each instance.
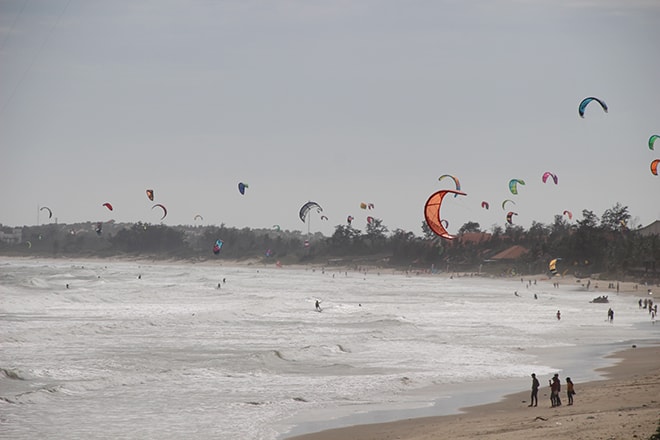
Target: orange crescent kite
(654, 166)
(432, 212)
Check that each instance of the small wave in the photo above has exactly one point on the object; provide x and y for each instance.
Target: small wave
(33, 395)
(39, 283)
(11, 374)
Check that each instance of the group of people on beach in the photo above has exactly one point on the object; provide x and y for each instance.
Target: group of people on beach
(647, 304)
(555, 390)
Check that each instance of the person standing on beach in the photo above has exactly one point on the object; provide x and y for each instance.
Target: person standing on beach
(557, 383)
(553, 393)
(555, 388)
(610, 315)
(570, 390)
(534, 401)
(318, 306)
(558, 315)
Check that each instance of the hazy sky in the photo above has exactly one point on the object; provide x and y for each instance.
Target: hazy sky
(339, 102)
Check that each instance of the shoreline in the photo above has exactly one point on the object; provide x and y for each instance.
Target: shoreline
(596, 285)
(626, 404)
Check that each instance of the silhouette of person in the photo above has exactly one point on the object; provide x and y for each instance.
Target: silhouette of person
(534, 401)
(555, 388)
(570, 390)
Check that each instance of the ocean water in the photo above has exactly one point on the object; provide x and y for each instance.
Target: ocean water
(158, 351)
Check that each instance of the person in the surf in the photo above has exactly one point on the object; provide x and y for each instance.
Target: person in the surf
(318, 306)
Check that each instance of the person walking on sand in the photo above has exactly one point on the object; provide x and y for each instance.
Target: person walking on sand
(534, 401)
(610, 315)
(570, 390)
(318, 306)
(558, 315)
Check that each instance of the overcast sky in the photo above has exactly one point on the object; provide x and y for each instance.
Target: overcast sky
(338, 102)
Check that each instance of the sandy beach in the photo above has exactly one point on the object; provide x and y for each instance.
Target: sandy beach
(626, 405)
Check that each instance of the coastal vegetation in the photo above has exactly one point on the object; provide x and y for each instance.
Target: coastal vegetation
(603, 245)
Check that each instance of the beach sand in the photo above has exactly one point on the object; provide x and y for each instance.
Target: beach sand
(626, 405)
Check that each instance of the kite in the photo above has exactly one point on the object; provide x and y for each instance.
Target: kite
(241, 187)
(276, 227)
(217, 246)
(29, 244)
(366, 205)
(552, 266)
(513, 185)
(569, 214)
(504, 203)
(586, 101)
(432, 212)
(50, 213)
(509, 217)
(349, 219)
(304, 210)
(652, 140)
(161, 207)
(455, 179)
(549, 174)
(199, 217)
(150, 194)
(654, 166)
(485, 204)
(108, 205)
(323, 217)
(370, 220)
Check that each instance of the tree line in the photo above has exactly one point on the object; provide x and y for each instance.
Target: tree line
(591, 245)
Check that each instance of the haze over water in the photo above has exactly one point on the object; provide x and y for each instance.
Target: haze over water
(135, 350)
